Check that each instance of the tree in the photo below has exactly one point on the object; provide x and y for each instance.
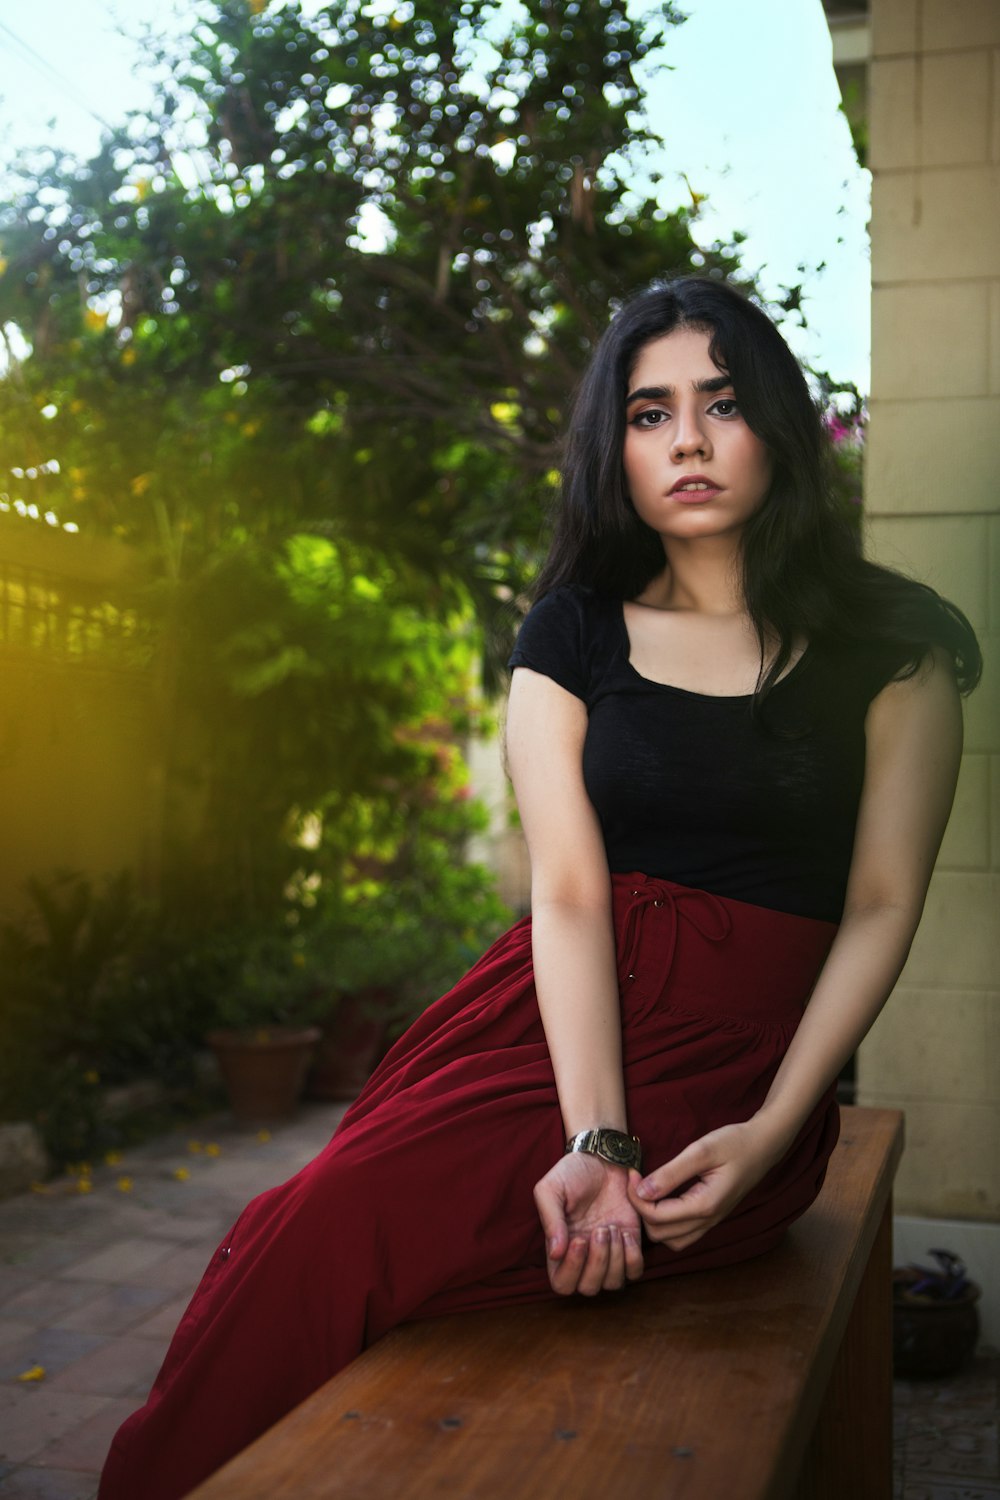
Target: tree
(363, 298)
(340, 283)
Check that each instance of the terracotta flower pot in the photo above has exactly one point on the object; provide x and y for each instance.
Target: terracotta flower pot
(264, 1071)
(351, 1044)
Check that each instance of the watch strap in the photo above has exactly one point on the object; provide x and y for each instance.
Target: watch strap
(614, 1146)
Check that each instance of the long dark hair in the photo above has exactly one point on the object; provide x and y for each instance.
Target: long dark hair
(802, 569)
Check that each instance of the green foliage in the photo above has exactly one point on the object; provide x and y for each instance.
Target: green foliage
(346, 278)
(270, 985)
(62, 974)
(409, 919)
(305, 337)
(845, 417)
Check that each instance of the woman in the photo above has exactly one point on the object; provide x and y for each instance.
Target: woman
(727, 734)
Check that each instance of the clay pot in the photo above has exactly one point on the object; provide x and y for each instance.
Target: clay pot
(264, 1071)
(351, 1043)
(932, 1336)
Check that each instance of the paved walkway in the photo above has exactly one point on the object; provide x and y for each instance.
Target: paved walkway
(93, 1282)
(96, 1270)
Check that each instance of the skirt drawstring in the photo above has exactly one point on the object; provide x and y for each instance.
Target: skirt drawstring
(706, 913)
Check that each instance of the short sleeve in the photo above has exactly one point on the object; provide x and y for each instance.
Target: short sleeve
(882, 663)
(551, 641)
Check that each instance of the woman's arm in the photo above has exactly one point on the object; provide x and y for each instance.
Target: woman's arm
(913, 735)
(591, 1229)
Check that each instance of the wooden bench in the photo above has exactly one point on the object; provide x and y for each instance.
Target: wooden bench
(766, 1380)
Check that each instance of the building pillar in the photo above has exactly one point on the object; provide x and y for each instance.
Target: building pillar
(932, 495)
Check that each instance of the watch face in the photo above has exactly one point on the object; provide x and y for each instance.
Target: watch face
(617, 1148)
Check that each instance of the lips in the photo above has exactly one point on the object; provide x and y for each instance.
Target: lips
(694, 487)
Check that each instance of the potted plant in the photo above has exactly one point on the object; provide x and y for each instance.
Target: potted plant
(935, 1321)
(393, 945)
(265, 1034)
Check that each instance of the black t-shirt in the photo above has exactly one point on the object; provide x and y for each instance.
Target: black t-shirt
(694, 788)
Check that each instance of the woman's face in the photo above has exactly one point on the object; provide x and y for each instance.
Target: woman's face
(693, 466)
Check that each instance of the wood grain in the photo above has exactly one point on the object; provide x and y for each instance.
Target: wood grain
(691, 1388)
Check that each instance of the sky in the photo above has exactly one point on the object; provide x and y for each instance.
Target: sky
(748, 112)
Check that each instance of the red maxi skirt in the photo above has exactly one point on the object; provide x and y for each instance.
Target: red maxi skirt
(422, 1202)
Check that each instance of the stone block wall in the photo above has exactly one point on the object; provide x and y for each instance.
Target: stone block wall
(932, 495)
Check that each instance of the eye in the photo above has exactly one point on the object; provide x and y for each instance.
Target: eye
(651, 417)
(725, 407)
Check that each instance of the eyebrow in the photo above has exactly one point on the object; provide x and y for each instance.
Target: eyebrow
(666, 392)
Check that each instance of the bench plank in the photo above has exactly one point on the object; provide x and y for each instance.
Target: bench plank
(683, 1389)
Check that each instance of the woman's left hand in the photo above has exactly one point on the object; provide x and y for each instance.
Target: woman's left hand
(720, 1169)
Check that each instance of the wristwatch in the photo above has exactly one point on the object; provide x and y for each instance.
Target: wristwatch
(610, 1145)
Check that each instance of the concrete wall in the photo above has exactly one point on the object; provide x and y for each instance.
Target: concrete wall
(932, 493)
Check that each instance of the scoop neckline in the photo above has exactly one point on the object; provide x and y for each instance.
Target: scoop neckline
(672, 687)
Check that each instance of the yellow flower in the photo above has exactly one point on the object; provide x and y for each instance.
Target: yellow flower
(94, 320)
(195, 1148)
(182, 1174)
(85, 1185)
(140, 484)
(212, 1149)
(263, 1135)
(37, 1372)
(129, 356)
(256, 7)
(112, 1158)
(125, 1184)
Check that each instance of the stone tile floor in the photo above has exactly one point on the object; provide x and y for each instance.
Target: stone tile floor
(96, 1271)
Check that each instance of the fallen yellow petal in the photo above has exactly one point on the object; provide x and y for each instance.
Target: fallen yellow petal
(125, 1184)
(37, 1372)
(112, 1158)
(182, 1174)
(195, 1147)
(85, 1185)
(212, 1149)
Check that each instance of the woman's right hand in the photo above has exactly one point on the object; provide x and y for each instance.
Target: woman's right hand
(593, 1234)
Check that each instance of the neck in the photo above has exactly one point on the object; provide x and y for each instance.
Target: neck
(702, 576)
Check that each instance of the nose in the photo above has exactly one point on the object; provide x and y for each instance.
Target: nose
(689, 436)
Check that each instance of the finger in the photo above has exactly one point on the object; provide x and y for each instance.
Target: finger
(614, 1276)
(633, 1254)
(691, 1162)
(552, 1214)
(676, 1229)
(564, 1275)
(596, 1268)
(700, 1202)
(685, 1241)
